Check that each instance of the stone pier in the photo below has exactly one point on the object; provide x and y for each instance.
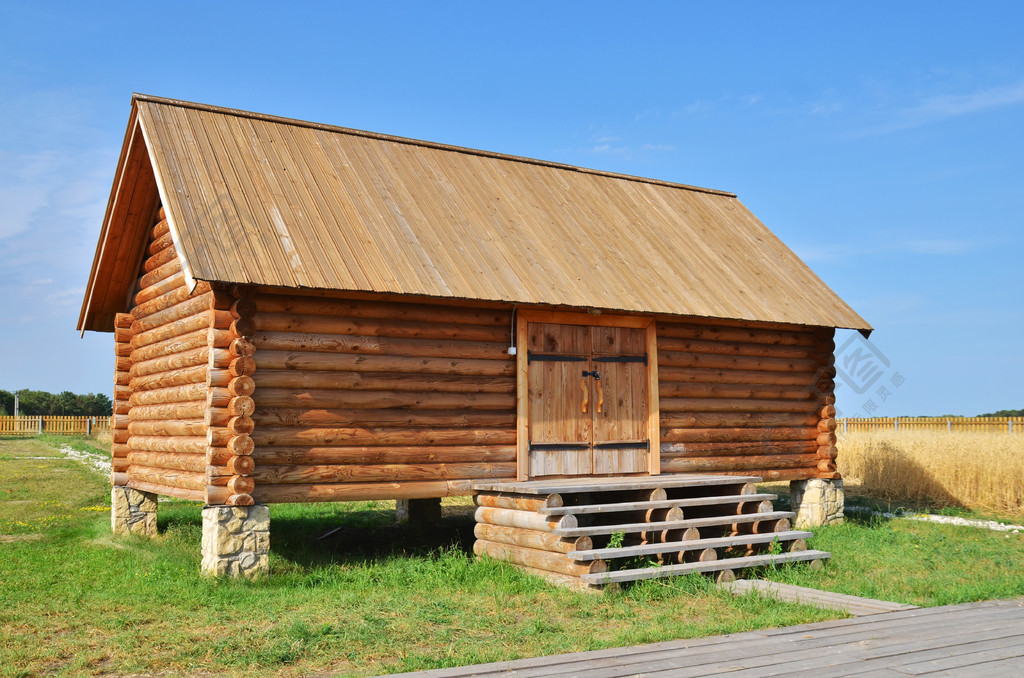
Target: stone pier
(816, 501)
(236, 540)
(132, 511)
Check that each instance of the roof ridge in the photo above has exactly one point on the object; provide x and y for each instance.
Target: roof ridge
(136, 96)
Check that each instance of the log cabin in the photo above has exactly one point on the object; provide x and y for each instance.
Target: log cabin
(303, 312)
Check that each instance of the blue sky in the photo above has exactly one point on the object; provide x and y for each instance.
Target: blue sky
(881, 141)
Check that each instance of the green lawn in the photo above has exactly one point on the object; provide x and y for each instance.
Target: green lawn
(371, 597)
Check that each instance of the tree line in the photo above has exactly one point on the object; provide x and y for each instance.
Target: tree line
(66, 403)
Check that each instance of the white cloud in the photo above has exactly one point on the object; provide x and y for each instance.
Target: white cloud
(659, 147)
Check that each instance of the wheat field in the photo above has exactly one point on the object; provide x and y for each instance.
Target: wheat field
(980, 471)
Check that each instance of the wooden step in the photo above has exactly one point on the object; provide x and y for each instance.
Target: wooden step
(672, 524)
(710, 566)
(578, 485)
(677, 546)
(788, 593)
(664, 503)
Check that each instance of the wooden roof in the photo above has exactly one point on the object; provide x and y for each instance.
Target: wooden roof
(258, 199)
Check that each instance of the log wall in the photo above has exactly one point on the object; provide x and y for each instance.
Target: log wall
(371, 400)
(747, 399)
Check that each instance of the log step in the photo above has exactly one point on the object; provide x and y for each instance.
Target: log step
(664, 503)
(672, 524)
(696, 544)
(709, 566)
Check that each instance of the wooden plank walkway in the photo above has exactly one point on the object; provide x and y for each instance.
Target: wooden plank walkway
(788, 593)
(976, 639)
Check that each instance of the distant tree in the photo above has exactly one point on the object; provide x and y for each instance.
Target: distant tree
(66, 403)
(1004, 413)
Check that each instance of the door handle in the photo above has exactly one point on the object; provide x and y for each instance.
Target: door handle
(600, 391)
(586, 394)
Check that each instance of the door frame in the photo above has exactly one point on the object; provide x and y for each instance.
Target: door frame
(646, 323)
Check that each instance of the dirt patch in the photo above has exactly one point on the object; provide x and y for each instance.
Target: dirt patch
(11, 538)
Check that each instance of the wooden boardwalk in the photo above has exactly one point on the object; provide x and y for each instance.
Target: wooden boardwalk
(976, 639)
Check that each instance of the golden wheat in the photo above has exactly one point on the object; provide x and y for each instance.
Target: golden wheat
(983, 471)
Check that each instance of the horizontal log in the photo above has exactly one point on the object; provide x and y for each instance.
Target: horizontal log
(241, 386)
(186, 427)
(733, 449)
(217, 357)
(299, 360)
(169, 460)
(322, 437)
(667, 373)
(242, 327)
(330, 399)
(217, 416)
(415, 454)
(157, 260)
(218, 378)
(241, 366)
(240, 424)
(383, 381)
(241, 485)
(123, 321)
(166, 490)
(271, 494)
(741, 348)
(243, 307)
(241, 348)
(162, 302)
(170, 394)
(122, 335)
(738, 334)
(770, 475)
(735, 405)
(675, 389)
(217, 396)
(240, 500)
(160, 287)
(370, 327)
(542, 541)
(186, 480)
(161, 243)
(200, 321)
(517, 502)
(179, 444)
(122, 392)
(192, 410)
(121, 407)
(182, 309)
(122, 350)
(119, 451)
(119, 464)
(829, 410)
(179, 377)
(196, 339)
(241, 445)
(122, 363)
(534, 558)
(119, 435)
(280, 474)
(528, 520)
(739, 419)
(745, 463)
(826, 425)
(320, 418)
(240, 465)
(826, 438)
(118, 478)
(241, 406)
(158, 274)
(276, 303)
(119, 421)
(827, 451)
(708, 435)
(121, 378)
(369, 345)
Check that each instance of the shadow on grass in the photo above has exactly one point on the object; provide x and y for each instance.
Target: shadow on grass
(311, 536)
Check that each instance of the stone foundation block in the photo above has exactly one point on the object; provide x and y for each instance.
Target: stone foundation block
(132, 512)
(236, 540)
(817, 501)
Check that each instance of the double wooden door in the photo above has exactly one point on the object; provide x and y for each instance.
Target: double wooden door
(587, 399)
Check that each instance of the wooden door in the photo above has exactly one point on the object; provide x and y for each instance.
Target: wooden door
(587, 400)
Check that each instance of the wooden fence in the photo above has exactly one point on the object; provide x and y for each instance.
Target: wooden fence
(61, 426)
(948, 424)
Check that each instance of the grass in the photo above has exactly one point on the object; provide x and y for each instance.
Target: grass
(372, 597)
(982, 472)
